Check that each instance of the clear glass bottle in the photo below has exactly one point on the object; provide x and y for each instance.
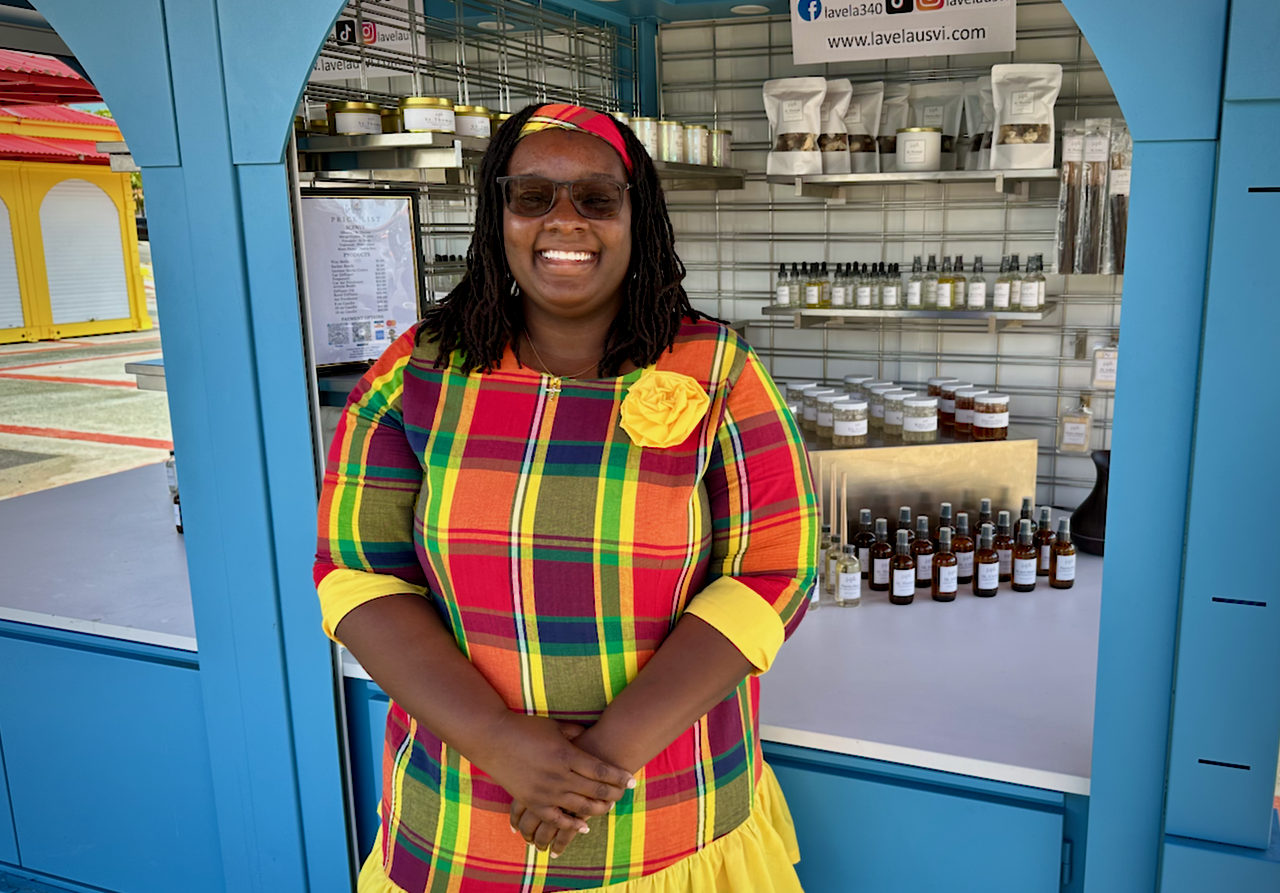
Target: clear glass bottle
(1041, 282)
(894, 411)
(1062, 568)
(986, 565)
(795, 286)
(1044, 543)
(931, 284)
(825, 278)
(1000, 295)
(837, 287)
(915, 286)
(959, 284)
(943, 293)
(922, 553)
(904, 522)
(1032, 285)
(849, 578)
(976, 297)
(782, 288)
(831, 558)
(863, 540)
(812, 287)
(1003, 544)
(849, 423)
(903, 573)
(862, 294)
(1075, 428)
(891, 289)
(881, 553)
(962, 547)
(946, 576)
(1024, 558)
(919, 419)
(824, 543)
(1015, 283)
(171, 473)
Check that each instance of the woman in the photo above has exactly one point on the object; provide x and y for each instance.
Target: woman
(566, 521)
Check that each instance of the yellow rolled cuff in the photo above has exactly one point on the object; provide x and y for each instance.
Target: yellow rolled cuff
(343, 590)
(744, 618)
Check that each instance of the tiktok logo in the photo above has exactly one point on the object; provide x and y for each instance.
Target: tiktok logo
(810, 10)
(894, 7)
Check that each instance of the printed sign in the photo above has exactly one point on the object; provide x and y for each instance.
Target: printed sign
(836, 30)
(377, 32)
(362, 274)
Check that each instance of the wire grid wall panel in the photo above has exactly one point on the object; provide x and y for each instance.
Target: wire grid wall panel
(502, 55)
(712, 73)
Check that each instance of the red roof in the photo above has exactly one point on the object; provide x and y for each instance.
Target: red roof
(31, 78)
(59, 113)
(25, 148)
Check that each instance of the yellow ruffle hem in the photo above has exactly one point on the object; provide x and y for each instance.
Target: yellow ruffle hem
(756, 857)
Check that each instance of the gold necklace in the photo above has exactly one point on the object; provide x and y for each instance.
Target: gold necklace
(544, 365)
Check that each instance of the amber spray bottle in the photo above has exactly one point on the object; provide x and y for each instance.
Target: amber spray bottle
(903, 568)
(904, 522)
(864, 539)
(1062, 571)
(881, 553)
(922, 553)
(962, 547)
(944, 520)
(986, 565)
(1044, 543)
(984, 514)
(946, 582)
(1002, 542)
(1024, 558)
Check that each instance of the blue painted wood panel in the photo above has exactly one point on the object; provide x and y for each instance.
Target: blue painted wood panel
(1226, 728)
(1252, 72)
(366, 726)
(8, 840)
(1194, 866)
(114, 788)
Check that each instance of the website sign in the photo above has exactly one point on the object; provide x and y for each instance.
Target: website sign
(839, 31)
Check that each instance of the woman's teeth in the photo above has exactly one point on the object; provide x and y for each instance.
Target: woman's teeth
(577, 256)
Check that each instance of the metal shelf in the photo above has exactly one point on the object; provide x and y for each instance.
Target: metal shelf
(390, 151)
(686, 177)
(1014, 183)
(807, 318)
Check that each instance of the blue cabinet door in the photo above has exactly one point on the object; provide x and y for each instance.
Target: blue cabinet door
(871, 835)
(367, 707)
(108, 767)
(8, 840)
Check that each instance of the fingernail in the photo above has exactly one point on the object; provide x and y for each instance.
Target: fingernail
(583, 830)
(555, 855)
(513, 828)
(631, 784)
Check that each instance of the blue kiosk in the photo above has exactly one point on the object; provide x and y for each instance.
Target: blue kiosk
(134, 768)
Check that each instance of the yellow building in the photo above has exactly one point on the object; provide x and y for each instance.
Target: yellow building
(68, 239)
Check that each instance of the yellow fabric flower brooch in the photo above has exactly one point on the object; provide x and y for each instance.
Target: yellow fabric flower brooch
(662, 408)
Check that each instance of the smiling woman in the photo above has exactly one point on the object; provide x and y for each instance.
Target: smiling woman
(566, 523)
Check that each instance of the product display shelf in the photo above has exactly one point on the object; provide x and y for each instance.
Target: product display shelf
(390, 151)
(1012, 183)
(808, 317)
(687, 177)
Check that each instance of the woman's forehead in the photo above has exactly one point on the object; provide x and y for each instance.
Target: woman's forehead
(564, 155)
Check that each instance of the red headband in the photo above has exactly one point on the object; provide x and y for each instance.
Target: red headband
(559, 116)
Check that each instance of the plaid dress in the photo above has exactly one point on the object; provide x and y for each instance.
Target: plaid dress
(560, 554)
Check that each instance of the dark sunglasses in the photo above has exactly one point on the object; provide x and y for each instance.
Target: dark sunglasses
(596, 199)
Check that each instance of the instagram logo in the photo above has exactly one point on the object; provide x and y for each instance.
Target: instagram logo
(369, 31)
(810, 10)
(929, 5)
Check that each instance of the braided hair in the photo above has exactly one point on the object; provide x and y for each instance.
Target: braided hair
(484, 313)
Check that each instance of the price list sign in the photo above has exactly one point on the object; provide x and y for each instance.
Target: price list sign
(362, 278)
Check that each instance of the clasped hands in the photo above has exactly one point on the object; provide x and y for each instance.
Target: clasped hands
(554, 784)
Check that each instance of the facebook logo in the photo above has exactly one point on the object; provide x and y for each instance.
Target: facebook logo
(810, 9)
(897, 6)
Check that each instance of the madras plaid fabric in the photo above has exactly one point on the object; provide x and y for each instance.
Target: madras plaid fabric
(560, 555)
(559, 116)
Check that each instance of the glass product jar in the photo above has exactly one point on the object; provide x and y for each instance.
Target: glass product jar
(991, 416)
(697, 144)
(877, 404)
(795, 392)
(391, 122)
(427, 114)
(866, 387)
(919, 148)
(893, 411)
(721, 147)
(849, 423)
(670, 141)
(826, 404)
(646, 130)
(964, 409)
(622, 116)
(354, 118)
(472, 120)
(947, 401)
(853, 383)
(809, 419)
(920, 420)
(935, 385)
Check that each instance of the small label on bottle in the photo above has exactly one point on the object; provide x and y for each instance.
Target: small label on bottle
(813, 295)
(1075, 434)
(1028, 295)
(1095, 149)
(177, 515)
(1073, 148)
(893, 417)
(850, 587)
(815, 596)
(1006, 561)
(1024, 571)
(864, 296)
(877, 410)
(964, 416)
(904, 582)
(924, 568)
(964, 564)
(948, 579)
(824, 418)
(837, 296)
(1000, 297)
(1045, 557)
(880, 571)
(792, 110)
(864, 558)
(947, 406)
(977, 295)
(988, 576)
(944, 295)
(855, 428)
(919, 424)
(991, 420)
(890, 295)
(783, 296)
(1120, 179)
(1066, 569)
(913, 294)
(357, 122)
